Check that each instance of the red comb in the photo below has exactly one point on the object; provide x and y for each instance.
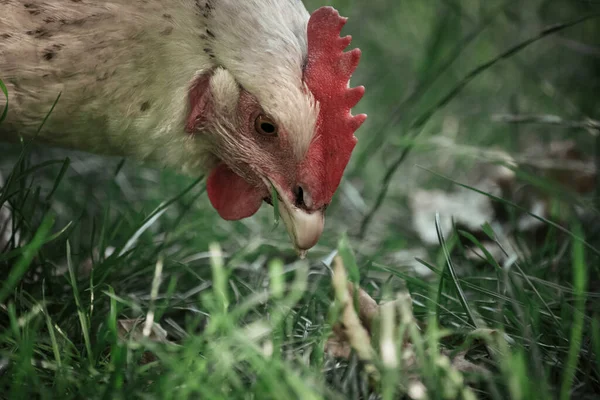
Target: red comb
(327, 74)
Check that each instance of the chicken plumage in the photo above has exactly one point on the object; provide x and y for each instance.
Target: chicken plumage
(255, 92)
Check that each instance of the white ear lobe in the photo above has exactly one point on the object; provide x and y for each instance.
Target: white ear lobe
(225, 91)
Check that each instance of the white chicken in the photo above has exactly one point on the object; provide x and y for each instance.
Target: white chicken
(253, 92)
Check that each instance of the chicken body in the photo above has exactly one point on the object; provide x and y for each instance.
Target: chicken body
(123, 69)
(186, 84)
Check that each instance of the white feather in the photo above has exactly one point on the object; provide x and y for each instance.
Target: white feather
(124, 69)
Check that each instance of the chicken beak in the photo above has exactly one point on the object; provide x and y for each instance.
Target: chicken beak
(303, 227)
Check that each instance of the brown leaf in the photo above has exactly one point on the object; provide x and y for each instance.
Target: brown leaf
(368, 309)
(338, 344)
(468, 208)
(6, 223)
(461, 364)
(133, 330)
(351, 327)
(564, 163)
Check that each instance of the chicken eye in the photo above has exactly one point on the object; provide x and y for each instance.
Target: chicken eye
(265, 126)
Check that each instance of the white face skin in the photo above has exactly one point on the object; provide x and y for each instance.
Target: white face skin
(262, 120)
(266, 54)
(259, 149)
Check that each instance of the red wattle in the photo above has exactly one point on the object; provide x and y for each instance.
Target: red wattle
(231, 195)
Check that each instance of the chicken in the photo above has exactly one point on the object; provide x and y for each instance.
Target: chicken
(254, 92)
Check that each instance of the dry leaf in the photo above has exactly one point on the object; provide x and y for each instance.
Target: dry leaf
(351, 328)
(355, 329)
(468, 208)
(338, 344)
(132, 330)
(564, 163)
(460, 363)
(572, 168)
(6, 231)
(6, 223)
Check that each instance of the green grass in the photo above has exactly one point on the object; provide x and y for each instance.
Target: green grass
(226, 310)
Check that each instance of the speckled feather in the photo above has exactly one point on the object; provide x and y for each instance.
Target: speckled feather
(188, 84)
(124, 68)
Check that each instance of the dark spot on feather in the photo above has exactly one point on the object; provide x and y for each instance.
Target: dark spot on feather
(102, 77)
(209, 33)
(39, 33)
(167, 16)
(48, 54)
(167, 31)
(5, 35)
(204, 7)
(145, 106)
(81, 21)
(32, 9)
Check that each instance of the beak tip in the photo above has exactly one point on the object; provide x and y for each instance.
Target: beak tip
(301, 253)
(303, 228)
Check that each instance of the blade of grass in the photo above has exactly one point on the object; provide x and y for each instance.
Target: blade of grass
(527, 279)
(453, 275)
(20, 162)
(59, 178)
(5, 91)
(80, 310)
(50, 327)
(596, 341)
(27, 255)
(156, 281)
(488, 256)
(348, 259)
(46, 240)
(154, 215)
(579, 284)
(275, 200)
(546, 120)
